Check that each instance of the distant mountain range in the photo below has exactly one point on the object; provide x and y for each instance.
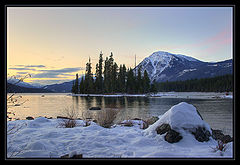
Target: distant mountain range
(161, 66)
(11, 88)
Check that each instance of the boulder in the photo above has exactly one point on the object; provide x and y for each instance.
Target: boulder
(201, 134)
(181, 117)
(77, 156)
(163, 129)
(172, 136)
(218, 135)
(62, 117)
(152, 120)
(95, 108)
(29, 118)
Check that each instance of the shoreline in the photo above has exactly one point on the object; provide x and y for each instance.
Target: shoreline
(183, 95)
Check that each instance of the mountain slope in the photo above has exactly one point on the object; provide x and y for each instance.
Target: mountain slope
(11, 88)
(23, 84)
(164, 66)
(65, 87)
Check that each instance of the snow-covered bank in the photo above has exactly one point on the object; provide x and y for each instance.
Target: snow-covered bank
(43, 138)
(187, 95)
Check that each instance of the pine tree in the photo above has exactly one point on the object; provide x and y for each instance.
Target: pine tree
(81, 87)
(75, 88)
(114, 75)
(146, 82)
(139, 83)
(153, 87)
(99, 75)
(130, 84)
(88, 83)
(106, 75)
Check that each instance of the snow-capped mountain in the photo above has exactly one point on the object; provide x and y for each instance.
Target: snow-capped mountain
(23, 84)
(164, 66)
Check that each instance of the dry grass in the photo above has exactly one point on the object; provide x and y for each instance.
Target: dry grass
(106, 117)
(71, 115)
(220, 147)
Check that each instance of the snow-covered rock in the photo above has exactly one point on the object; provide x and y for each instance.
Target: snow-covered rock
(181, 117)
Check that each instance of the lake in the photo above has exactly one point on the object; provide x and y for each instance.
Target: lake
(218, 113)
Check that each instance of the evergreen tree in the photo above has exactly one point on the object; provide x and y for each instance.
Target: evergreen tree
(88, 83)
(153, 87)
(139, 83)
(214, 84)
(81, 87)
(130, 84)
(114, 75)
(75, 88)
(99, 75)
(146, 82)
(121, 80)
(106, 74)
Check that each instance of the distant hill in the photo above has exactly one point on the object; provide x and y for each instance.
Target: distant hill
(19, 89)
(23, 84)
(65, 87)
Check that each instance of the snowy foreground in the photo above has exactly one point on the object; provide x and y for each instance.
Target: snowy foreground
(44, 138)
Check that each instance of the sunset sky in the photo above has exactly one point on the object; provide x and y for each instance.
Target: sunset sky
(54, 43)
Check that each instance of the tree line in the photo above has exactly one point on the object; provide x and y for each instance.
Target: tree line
(214, 84)
(112, 78)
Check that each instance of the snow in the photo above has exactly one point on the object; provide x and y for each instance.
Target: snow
(186, 57)
(163, 57)
(182, 115)
(111, 95)
(44, 138)
(185, 71)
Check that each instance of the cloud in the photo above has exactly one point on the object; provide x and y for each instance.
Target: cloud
(48, 82)
(57, 73)
(49, 75)
(22, 69)
(22, 72)
(64, 70)
(46, 76)
(38, 66)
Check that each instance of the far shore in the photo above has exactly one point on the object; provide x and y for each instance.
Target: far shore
(185, 95)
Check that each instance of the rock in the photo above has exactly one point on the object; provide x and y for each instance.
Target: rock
(29, 118)
(136, 118)
(95, 108)
(227, 139)
(163, 129)
(62, 117)
(218, 135)
(201, 134)
(77, 156)
(172, 136)
(152, 120)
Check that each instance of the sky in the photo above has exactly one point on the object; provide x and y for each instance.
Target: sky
(54, 43)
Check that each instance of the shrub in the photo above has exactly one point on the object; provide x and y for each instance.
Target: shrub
(106, 117)
(69, 121)
(220, 147)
